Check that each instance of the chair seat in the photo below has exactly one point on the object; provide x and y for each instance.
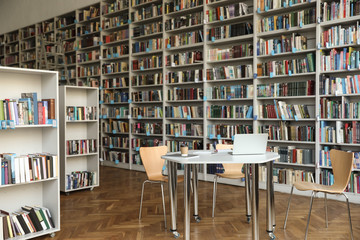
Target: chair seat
(305, 186)
(231, 175)
(162, 178)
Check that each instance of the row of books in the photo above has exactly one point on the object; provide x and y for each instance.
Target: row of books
(293, 43)
(116, 36)
(27, 110)
(284, 111)
(115, 126)
(68, 33)
(88, 71)
(179, 59)
(184, 39)
(351, 109)
(287, 21)
(115, 22)
(114, 6)
(11, 37)
(11, 59)
(229, 72)
(136, 143)
(88, 56)
(17, 169)
(115, 67)
(176, 94)
(336, 59)
(116, 82)
(115, 52)
(227, 12)
(45, 27)
(148, 112)
(227, 130)
(26, 45)
(147, 79)
(230, 92)
(194, 75)
(188, 112)
(325, 161)
(88, 42)
(174, 145)
(330, 85)
(188, 20)
(115, 142)
(287, 67)
(27, 32)
(214, 168)
(87, 14)
(238, 51)
(115, 156)
(147, 63)
(338, 35)
(80, 179)
(65, 21)
(82, 146)
(290, 176)
(111, 96)
(184, 129)
(148, 45)
(340, 132)
(92, 27)
(115, 112)
(152, 96)
(284, 132)
(70, 46)
(304, 88)
(339, 10)
(28, 56)
(9, 49)
(146, 128)
(177, 5)
(330, 109)
(266, 5)
(28, 219)
(147, 12)
(229, 31)
(229, 111)
(292, 154)
(147, 29)
(79, 113)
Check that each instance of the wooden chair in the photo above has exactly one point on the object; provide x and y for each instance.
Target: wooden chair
(232, 171)
(153, 164)
(342, 166)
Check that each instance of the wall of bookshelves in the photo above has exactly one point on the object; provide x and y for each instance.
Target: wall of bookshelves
(171, 72)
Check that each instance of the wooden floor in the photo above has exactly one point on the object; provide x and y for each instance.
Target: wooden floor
(111, 212)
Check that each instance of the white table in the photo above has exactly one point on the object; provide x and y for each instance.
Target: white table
(206, 157)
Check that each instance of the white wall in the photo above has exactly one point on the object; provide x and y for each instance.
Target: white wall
(15, 14)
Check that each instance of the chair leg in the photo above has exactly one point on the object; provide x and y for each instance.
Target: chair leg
(326, 212)
(214, 195)
(288, 208)
(348, 205)
(141, 201)
(308, 221)
(163, 202)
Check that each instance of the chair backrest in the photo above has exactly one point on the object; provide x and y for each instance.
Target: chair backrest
(151, 158)
(230, 168)
(342, 166)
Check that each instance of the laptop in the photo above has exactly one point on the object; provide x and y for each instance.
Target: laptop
(249, 144)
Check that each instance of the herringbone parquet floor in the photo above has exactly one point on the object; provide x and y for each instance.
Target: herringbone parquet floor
(111, 212)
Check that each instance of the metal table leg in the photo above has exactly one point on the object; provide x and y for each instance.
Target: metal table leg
(195, 186)
(255, 201)
(269, 200)
(187, 179)
(172, 172)
(247, 193)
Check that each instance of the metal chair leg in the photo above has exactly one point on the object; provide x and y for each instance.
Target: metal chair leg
(163, 202)
(141, 201)
(326, 212)
(308, 221)
(288, 208)
(348, 205)
(214, 195)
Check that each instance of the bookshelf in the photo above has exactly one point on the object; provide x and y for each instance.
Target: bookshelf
(41, 138)
(237, 76)
(79, 138)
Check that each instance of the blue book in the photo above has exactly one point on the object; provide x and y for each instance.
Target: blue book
(250, 112)
(344, 58)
